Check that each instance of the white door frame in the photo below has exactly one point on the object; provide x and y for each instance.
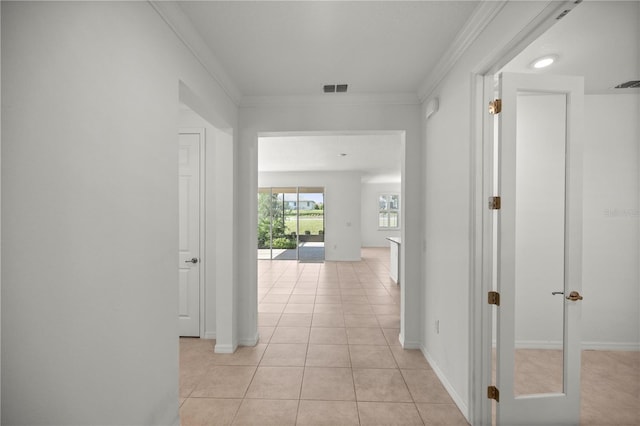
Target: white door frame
(480, 283)
(202, 221)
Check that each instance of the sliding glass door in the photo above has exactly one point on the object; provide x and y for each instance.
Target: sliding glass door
(291, 224)
(311, 224)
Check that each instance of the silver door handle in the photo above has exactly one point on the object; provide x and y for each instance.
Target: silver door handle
(193, 260)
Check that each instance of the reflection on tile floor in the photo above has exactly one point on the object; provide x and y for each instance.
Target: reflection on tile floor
(609, 383)
(328, 355)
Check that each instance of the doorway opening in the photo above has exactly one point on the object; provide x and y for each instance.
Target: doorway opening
(607, 346)
(191, 145)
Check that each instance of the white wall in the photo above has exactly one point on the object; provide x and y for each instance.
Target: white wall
(341, 207)
(311, 115)
(89, 197)
(372, 236)
(611, 289)
(448, 237)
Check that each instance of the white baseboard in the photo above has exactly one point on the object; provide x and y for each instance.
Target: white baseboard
(412, 345)
(224, 349)
(250, 341)
(209, 335)
(538, 344)
(611, 346)
(408, 344)
(594, 346)
(457, 399)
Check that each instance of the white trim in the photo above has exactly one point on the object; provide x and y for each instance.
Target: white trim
(481, 348)
(332, 99)
(331, 133)
(481, 157)
(457, 399)
(180, 24)
(209, 335)
(252, 341)
(224, 349)
(585, 346)
(412, 345)
(477, 22)
(538, 344)
(611, 346)
(203, 228)
(534, 29)
(408, 344)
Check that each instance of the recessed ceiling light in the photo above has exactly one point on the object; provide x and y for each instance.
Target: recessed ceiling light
(544, 62)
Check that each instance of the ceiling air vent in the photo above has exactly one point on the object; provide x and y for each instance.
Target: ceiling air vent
(333, 88)
(633, 84)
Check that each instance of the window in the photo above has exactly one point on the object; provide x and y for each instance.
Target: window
(388, 211)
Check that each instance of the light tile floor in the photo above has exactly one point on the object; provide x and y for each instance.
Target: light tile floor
(328, 355)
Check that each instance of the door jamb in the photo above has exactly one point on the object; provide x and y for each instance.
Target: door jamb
(480, 325)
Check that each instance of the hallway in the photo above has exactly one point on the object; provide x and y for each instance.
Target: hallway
(328, 355)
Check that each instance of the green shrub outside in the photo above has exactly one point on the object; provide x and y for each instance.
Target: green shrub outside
(284, 243)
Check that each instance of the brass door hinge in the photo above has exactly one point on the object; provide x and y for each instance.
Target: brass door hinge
(493, 393)
(494, 298)
(494, 203)
(495, 106)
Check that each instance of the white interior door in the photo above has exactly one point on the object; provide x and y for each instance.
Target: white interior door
(539, 249)
(189, 233)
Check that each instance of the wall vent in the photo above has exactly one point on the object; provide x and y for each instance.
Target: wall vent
(633, 84)
(335, 88)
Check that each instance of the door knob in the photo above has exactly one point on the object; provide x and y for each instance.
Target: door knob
(193, 260)
(574, 295)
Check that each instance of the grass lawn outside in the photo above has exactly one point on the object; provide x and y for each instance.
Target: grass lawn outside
(307, 223)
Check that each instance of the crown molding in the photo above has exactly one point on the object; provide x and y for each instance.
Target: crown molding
(183, 28)
(482, 15)
(330, 99)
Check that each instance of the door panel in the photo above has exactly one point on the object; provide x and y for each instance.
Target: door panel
(189, 234)
(539, 249)
(285, 224)
(311, 224)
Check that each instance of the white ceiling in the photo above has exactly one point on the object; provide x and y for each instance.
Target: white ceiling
(376, 156)
(286, 48)
(599, 40)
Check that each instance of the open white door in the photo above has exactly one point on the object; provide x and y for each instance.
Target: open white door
(539, 249)
(189, 233)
